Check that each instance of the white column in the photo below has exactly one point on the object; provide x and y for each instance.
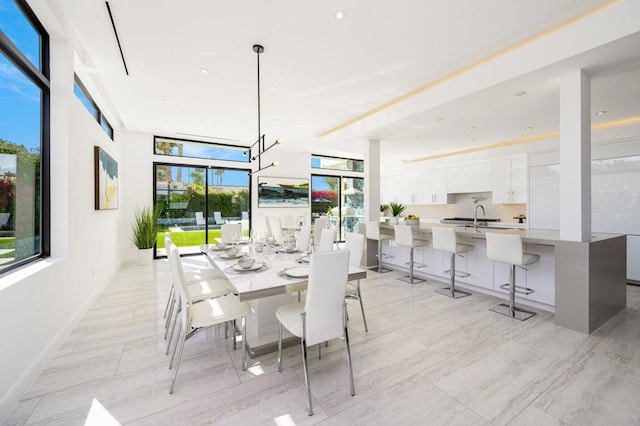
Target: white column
(372, 180)
(575, 156)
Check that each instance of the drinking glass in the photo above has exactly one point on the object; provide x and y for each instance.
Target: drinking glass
(269, 253)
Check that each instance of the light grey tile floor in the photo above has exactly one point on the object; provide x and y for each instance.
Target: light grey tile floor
(427, 359)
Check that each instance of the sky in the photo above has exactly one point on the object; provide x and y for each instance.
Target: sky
(19, 97)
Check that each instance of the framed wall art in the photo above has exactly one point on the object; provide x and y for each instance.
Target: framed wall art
(106, 180)
(283, 192)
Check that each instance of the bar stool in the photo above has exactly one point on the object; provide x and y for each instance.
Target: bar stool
(444, 239)
(373, 233)
(404, 238)
(507, 248)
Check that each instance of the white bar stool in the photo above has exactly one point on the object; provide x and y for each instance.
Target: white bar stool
(404, 238)
(444, 239)
(373, 233)
(507, 248)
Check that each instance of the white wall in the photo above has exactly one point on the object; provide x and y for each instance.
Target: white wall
(40, 303)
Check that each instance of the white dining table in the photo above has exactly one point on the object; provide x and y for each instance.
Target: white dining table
(265, 289)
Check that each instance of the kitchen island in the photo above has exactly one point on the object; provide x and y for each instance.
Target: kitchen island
(584, 283)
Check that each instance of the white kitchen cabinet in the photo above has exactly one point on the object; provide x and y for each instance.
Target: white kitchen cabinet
(510, 180)
(393, 189)
(435, 183)
(479, 267)
(473, 177)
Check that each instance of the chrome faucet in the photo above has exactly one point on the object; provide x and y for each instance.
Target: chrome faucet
(475, 217)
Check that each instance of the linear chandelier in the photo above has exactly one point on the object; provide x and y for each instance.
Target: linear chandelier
(260, 144)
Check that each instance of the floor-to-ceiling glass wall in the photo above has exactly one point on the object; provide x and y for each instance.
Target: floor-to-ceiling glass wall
(197, 199)
(341, 199)
(195, 202)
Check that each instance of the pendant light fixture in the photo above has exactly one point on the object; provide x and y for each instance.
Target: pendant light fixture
(260, 142)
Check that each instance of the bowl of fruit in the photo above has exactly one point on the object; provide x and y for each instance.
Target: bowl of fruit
(412, 220)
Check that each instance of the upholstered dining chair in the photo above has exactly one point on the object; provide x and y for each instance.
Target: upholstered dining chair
(326, 239)
(354, 242)
(304, 237)
(202, 315)
(230, 232)
(323, 314)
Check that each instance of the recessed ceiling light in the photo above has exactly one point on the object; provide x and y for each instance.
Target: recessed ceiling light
(275, 121)
(340, 15)
(167, 101)
(203, 70)
(528, 128)
(522, 93)
(272, 87)
(440, 119)
(472, 128)
(603, 112)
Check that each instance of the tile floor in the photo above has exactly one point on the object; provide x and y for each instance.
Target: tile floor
(426, 360)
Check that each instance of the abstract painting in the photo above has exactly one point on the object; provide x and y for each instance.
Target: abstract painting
(106, 180)
(283, 192)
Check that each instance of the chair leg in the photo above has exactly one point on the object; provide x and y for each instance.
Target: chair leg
(234, 334)
(167, 322)
(169, 300)
(319, 350)
(172, 330)
(305, 363)
(364, 318)
(175, 372)
(173, 353)
(279, 347)
(346, 343)
(244, 343)
(512, 291)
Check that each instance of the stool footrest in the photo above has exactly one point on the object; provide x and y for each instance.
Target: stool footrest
(519, 289)
(416, 264)
(457, 294)
(458, 274)
(519, 313)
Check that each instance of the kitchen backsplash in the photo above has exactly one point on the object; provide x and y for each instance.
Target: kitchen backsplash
(465, 207)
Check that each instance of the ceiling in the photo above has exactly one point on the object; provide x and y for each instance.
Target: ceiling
(325, 71)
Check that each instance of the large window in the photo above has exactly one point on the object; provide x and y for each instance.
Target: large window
(196, 201)
(24, 136)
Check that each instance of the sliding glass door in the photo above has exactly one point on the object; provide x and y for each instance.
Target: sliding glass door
(339, 198)
(196, 201)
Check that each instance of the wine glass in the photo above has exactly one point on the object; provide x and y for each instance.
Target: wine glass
(269, 253)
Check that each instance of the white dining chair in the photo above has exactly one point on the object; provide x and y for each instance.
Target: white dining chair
(304, 237)
(319, 224)
(323, 315)
(354, 242)
(230, 232)
(205, 314)
(326, 239)
(197, 290)
(193, 276)
(276, 229)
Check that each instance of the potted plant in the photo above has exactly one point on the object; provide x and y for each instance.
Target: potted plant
(145, 231)
(396, 209)
(383, 210)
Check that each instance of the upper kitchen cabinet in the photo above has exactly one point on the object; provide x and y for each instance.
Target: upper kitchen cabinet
(473, 177)
(510, 180)
(435, 185)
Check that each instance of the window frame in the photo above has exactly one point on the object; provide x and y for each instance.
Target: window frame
(41, 78)
(213, 144)
(99, 116)
(320, 156)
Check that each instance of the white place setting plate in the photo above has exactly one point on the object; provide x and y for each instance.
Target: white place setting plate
(296, 272)
(226, 256)
(293, 250)
(254, 267)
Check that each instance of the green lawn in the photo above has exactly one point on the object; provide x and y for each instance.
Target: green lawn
(188, 238)
(7, 243)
